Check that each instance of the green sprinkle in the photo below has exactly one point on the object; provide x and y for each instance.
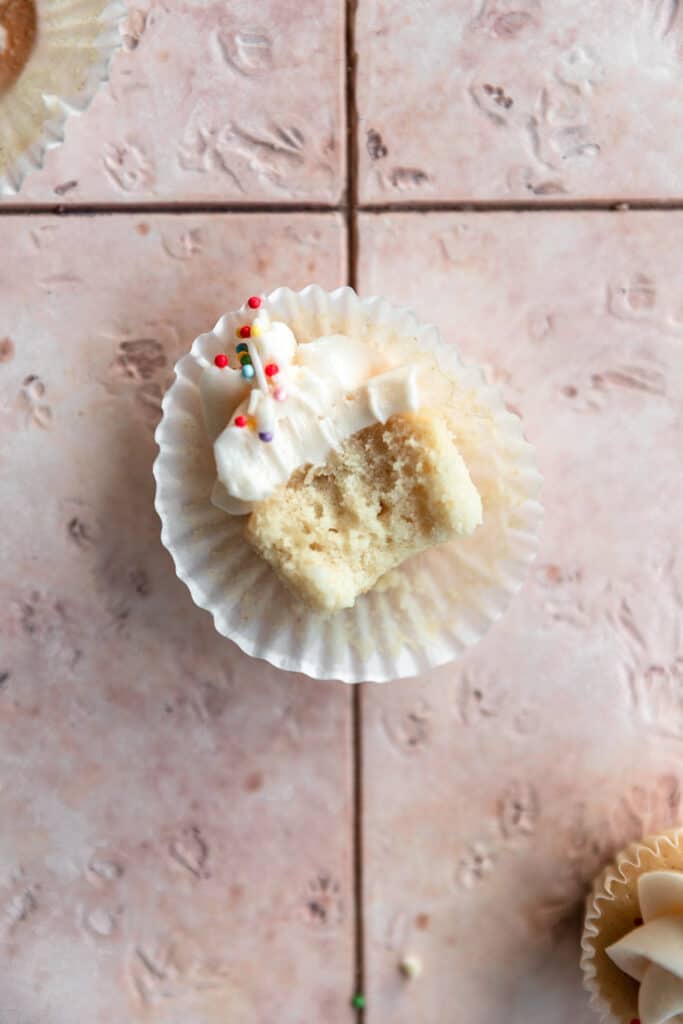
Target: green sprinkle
(358, 1001)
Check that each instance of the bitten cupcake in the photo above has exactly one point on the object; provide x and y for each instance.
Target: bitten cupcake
(632, 945)
(339, 453)
(328, 462)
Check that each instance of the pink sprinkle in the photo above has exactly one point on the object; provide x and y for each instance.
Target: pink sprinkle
(279, 394)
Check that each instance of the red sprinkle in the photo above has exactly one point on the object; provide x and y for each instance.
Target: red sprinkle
(245, 332)
(221, 360)
(240, 421)
(272, 370)
(636, 1020)
(254, 302)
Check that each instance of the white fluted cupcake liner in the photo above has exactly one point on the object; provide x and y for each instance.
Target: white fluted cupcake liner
(422, 614)
(612, 909)
(75, 42)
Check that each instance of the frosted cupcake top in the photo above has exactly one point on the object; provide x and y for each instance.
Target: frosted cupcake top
(652, 953)
(271, 404)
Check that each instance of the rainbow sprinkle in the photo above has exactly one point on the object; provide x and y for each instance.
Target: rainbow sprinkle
(251, 367)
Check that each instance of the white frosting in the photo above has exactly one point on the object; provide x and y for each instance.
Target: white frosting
(653, 953)
(333, 386)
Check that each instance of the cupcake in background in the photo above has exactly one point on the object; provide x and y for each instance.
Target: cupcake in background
(632, 944)
(53, 56)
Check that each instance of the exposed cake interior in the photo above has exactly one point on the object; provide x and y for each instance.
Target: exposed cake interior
(392, 490)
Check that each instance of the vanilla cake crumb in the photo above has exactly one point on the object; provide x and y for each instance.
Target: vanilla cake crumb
(392, 490)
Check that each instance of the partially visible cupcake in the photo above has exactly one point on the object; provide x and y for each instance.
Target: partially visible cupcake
(53, 57)
(632, 944)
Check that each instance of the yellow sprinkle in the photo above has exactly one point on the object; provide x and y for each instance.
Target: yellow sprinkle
(256, 331)
(237, 333)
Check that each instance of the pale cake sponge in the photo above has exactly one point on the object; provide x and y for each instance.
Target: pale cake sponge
(392, 490)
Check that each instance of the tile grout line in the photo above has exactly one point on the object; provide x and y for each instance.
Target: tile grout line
(351, 205)
(521, 206)
(153, 208)
(350, 210)
(359, 914)
(358, 863)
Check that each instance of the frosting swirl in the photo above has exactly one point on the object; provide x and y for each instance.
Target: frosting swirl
(652, 954)
(291, 404)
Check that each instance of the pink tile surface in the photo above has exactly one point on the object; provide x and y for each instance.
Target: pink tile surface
(176, 832)
(519, 99)
(211, 101)
(496, 788)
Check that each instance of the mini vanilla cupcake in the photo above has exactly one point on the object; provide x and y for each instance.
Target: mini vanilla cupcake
(338, 451)
(632, 945)
(315, 441)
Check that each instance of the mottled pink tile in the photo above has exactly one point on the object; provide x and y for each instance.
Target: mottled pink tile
(176, 823)
(211, 101)
(494, 789)
(519, 99)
